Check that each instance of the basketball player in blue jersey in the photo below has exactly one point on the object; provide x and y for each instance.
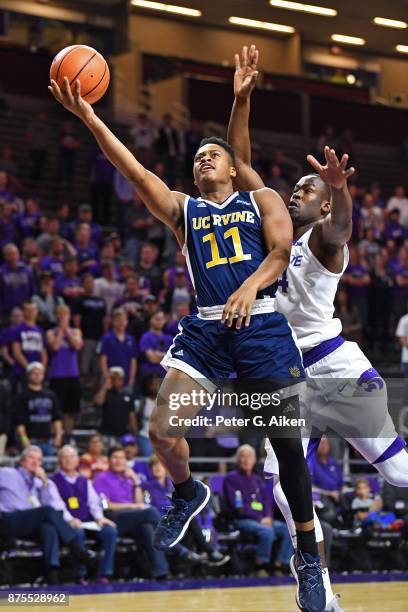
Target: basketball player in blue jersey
(342, 386)
(237, 245)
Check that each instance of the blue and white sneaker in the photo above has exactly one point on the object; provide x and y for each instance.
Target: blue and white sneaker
(174, 524)
(307, 571)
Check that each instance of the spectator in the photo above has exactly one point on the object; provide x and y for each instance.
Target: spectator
(137, 221)
(90, 318)
(364, 502)
(181, 310)
(121, 489)
(68, 149)
(148, 266)
(143, 132)
(247, 499)
(85, 216)
(380, 303)
(131, 448)
(349, 316)
(168, 147)
(46, 301)
(101, 178)
(54, 262)
(6, 193)
(326, 472)
(393, 229)
(28, 341)
(328, 138)
(276, 181)
(37, 413)
(399, 201)
(8, 223)
(52, 231)
(153, 346)
(149, 387)
(94, 460)
(402, 335)
(26, 513)
(38, 136)
(370, 216)
(28, 221)
(376, 193)
(395, 499)
(68, 285)
(107, 287)
(63, 214)
(117, 406)
(5, 419)
(180, 293)
(64, 344)
(16, 280)
(87, 254)
(119, 349)
(6, 337)
(400, 291)
(80, 504)
(131, 300)
(149, 307)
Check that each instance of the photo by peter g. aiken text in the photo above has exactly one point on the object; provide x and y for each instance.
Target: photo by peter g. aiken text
(221, 421)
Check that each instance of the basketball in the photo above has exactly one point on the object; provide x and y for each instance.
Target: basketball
(83, 63)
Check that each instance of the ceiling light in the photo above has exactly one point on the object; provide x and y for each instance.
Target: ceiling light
(348, 40)
(402, 48)
(304, 8)
(390, 23)
(262, 25)
(168, 8)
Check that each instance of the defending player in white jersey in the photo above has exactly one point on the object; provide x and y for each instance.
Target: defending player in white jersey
(344, 391)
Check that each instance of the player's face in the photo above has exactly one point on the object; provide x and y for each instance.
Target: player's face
(212, 165)
(308, 202)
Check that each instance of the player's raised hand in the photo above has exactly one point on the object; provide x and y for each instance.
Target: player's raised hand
(246, 71)
(335, 173)
(72, 101)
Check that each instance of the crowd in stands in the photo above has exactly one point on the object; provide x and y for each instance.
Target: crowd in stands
(86, 316)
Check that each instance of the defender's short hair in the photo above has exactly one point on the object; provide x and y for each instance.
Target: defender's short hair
(221, 143)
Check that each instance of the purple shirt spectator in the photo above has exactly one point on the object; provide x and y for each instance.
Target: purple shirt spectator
(401, 293)
(117, 488)
(160, 495)
(155, 342)
(27, 224)
(142, 469)
(119, 353)
(256, 503)
(52, 264)
(16, 286)
(21, 491)
(327, 476)
(32, 341)
(76, 491)
(86, 254)
(356, 271)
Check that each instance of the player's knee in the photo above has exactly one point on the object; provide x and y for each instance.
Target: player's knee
(158, 436)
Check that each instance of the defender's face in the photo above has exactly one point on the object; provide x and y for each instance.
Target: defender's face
(212, 164)
(305, 204)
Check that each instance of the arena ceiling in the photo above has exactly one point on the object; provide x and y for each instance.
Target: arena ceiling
(354, 18)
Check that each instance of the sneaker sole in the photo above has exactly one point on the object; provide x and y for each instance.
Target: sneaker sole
(219, 563)
(197, 511)
(294, 574)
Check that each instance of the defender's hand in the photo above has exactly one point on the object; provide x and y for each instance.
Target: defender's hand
(334, 173)
(245, 71)
(239, 302)
(72, 102)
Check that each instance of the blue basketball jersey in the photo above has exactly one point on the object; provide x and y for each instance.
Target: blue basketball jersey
(224, 246)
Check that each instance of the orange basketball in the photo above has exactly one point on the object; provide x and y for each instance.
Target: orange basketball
(85, 64)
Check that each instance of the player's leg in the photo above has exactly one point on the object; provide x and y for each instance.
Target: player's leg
(166, 432)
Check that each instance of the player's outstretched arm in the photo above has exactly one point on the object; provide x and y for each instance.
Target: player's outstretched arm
(337, 228)
(238, 129)
(278, 235)
(164, 204)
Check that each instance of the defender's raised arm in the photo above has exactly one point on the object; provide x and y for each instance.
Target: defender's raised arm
(164, 204)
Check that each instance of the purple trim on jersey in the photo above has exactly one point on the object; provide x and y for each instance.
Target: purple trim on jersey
(394, 448)
(371, 380)
(321, 350)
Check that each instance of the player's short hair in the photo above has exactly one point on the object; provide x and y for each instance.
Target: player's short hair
(221, 143)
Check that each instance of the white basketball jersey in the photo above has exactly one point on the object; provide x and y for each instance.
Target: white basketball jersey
(306, 295)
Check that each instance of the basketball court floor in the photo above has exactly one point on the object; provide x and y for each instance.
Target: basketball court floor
(364, 593)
